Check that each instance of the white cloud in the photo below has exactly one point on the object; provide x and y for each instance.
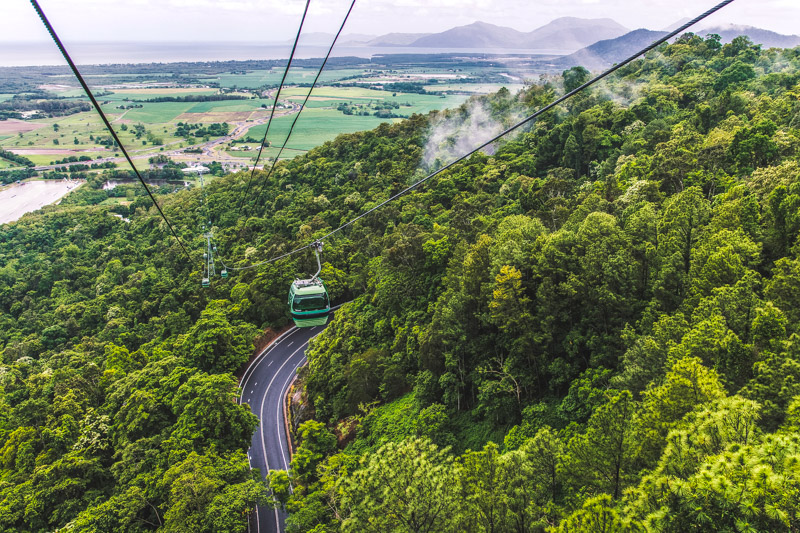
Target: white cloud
(261, 20)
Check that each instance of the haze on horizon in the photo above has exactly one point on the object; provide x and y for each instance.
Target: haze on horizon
(270, 21)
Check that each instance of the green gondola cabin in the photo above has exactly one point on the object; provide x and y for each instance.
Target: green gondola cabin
(308, 302)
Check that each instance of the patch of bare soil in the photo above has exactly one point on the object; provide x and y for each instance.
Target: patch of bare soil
(13, 126)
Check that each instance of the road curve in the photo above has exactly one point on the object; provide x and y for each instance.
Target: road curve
(264, 387)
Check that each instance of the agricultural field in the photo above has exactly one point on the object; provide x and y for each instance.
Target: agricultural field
(340, 104)
(46, 141)
(473, 88)
(322, 122)
(314, 127)
(156, 92)
(409, 102)
(272, 77)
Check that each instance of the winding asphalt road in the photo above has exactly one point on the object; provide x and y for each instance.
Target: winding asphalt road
(264, 387)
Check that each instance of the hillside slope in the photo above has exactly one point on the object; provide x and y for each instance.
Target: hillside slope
(597, 322)
(603, 54)
(766, 38)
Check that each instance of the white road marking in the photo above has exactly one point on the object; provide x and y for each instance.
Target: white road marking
(260, 358)
(284, 390)
(261, 417)
(291, 343)
(249, 373)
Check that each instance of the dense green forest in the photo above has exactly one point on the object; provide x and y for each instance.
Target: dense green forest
(594, 328)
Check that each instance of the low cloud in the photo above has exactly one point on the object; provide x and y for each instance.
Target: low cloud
(458, 132)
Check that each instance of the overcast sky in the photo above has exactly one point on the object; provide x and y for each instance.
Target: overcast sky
(276, 20)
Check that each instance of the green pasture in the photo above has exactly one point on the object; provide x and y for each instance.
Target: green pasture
(130, 75)
(137, 96)
(82, 126)
(474, 88)
(4, 97)
(336, 92)
(419, 103)
(244, 155)
(320, 121)
(46, 159)
(288, 153)
(88, 130)
(258, 78)
(315, 103)
(151, 113)
(115, 200)
(78, 93)
(5, 163)
(314, 127)
(424, 103)
(228, 106)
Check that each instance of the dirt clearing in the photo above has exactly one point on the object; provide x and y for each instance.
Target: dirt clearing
(166, 90)
(13, 126)
(51, 151)
(196, 118)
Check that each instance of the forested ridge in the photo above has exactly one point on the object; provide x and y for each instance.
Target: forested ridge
(592, 328)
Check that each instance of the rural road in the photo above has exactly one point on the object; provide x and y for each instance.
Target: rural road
(264, 387)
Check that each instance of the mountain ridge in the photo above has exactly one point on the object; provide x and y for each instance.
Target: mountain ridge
(562, 33)
(767, 38)
(605, 53)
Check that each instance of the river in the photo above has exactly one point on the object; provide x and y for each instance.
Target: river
(18, 199)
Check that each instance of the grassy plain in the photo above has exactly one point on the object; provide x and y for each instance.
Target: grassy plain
(45, 141)
(156, 92)
(319, 122)
(474, 88)
(258, 78)
(314, 127)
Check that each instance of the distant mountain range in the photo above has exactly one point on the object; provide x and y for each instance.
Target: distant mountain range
(396, 39)
(766, 38)
(320, 38)
(475, 35)
(570, 33)
(566, 33)
(597, 43)
(605, 53)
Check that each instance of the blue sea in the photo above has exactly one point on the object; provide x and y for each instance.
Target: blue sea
(98, 53)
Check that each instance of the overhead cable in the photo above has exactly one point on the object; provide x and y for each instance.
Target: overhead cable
(105, 120)
(522, 122)
(303, 105)
(531, 117)
(274, 105)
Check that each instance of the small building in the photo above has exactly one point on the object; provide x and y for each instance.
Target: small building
(197, 169)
